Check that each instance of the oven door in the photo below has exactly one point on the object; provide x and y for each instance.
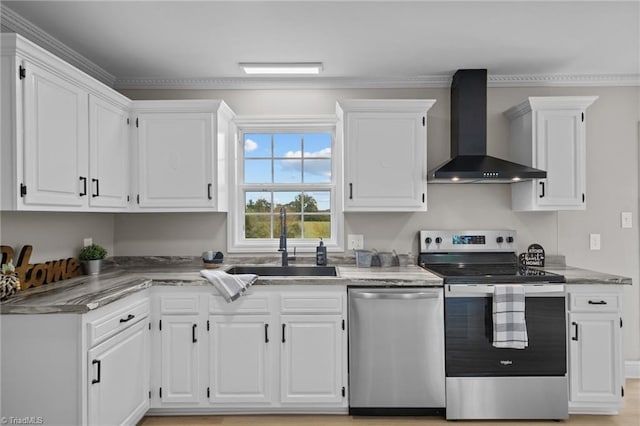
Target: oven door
(469, 332)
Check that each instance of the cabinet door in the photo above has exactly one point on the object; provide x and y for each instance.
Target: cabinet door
(240, 353)
(108, 152)
(119, 378)
(385, 164)
(561, 152)
(175, 160)
(594, 351)
(179, 373)
(55, 140)
(311, 360)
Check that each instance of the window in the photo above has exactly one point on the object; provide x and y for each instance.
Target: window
(284, 168)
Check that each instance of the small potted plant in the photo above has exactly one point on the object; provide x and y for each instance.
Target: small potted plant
(91, 257)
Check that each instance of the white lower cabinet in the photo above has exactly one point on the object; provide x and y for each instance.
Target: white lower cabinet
(119, 385)
(77, 369)
(275, 349)
(595, 349)
(311, 359)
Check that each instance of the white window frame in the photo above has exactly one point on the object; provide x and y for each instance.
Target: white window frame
(236, 242)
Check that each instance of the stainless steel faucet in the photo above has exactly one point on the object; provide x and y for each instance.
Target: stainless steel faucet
(283, 238)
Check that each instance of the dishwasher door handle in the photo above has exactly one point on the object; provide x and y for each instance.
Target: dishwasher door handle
(398, 295)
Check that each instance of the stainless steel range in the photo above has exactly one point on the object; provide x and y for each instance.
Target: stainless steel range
(484, 380)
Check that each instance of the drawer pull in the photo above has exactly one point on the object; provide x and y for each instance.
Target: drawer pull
(96, 361)
(128, 318)
(600, 302)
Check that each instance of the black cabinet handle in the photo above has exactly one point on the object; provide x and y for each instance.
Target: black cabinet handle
(266, 333)
(209, 191)
(128, 318)
(283, 327)
(600, 302)
(542, 195)
(84, 182)
(97, 182)
(350, 191)
(575, 325)
(194, 339)
(94, 362)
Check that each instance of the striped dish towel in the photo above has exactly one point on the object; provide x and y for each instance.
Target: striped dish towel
(509, 326)
(229, 286)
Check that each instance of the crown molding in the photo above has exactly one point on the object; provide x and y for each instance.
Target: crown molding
(12, 22)
(574, 80)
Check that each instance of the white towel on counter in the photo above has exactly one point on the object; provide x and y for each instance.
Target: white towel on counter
(509, 326)
(229, 286)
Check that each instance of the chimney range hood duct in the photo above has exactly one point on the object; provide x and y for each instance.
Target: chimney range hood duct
(470, 162)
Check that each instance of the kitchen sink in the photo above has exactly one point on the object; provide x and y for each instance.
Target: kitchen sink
(285, 271)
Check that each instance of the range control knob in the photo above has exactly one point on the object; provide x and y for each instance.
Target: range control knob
(499, 240)
(509, 240)
(438, 240)
(427, 240)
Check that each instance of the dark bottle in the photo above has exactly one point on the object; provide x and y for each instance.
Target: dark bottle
(321, 254)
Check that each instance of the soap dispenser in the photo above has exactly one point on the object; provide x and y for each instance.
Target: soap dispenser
(321, 254)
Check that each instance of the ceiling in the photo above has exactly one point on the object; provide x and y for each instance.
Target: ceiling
(200, 43)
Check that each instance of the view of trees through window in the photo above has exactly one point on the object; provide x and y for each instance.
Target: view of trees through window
(302, 164)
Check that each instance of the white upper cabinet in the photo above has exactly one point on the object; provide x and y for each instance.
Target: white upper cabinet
(385, 154)
(548, 133)
(63, 135)
(179, 155)
(108, 154)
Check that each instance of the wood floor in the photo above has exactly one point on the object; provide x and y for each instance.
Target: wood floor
(630, 416)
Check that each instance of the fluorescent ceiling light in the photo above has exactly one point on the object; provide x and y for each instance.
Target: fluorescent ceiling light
(282, 68)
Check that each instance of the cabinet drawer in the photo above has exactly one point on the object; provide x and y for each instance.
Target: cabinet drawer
(104, 327)
(247, 304)
(594, 302)
(187, 304)
(320, 303)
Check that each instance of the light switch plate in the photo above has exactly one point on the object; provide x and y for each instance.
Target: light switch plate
(626, 220)
(594, 241)
(355, 242)
(88, 241)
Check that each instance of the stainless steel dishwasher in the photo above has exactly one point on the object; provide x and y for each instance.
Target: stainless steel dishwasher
(396, 351)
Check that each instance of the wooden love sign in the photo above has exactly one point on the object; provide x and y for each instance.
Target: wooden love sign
(34, 275)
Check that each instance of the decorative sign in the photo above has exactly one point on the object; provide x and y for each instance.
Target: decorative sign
(34, 275)
(534, 256)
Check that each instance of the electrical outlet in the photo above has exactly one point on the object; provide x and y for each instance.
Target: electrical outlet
(88, 241)
(626, 220)
(594, 241)
(355, 242)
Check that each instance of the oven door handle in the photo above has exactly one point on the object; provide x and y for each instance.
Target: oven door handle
(396, 296)
(475, 290)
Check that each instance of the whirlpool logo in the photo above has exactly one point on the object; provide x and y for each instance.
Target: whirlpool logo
(506, 362)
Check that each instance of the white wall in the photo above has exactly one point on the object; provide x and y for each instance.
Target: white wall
(612, 187)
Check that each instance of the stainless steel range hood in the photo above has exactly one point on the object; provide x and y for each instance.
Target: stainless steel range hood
(470, 162)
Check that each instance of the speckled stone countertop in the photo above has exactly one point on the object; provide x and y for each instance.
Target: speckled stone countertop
(124, 276)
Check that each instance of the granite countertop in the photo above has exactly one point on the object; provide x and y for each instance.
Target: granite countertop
(85, 293)
(124, 277)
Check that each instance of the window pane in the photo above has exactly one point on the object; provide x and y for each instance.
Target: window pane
(258, 202)
(257, 171)
(318, 201)
(257, 226)
(287, 171)
(317, 145)
(294, 226)
(290, 200)
(287, 145)
(257, 145)
(317, 226)
(317, 171)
